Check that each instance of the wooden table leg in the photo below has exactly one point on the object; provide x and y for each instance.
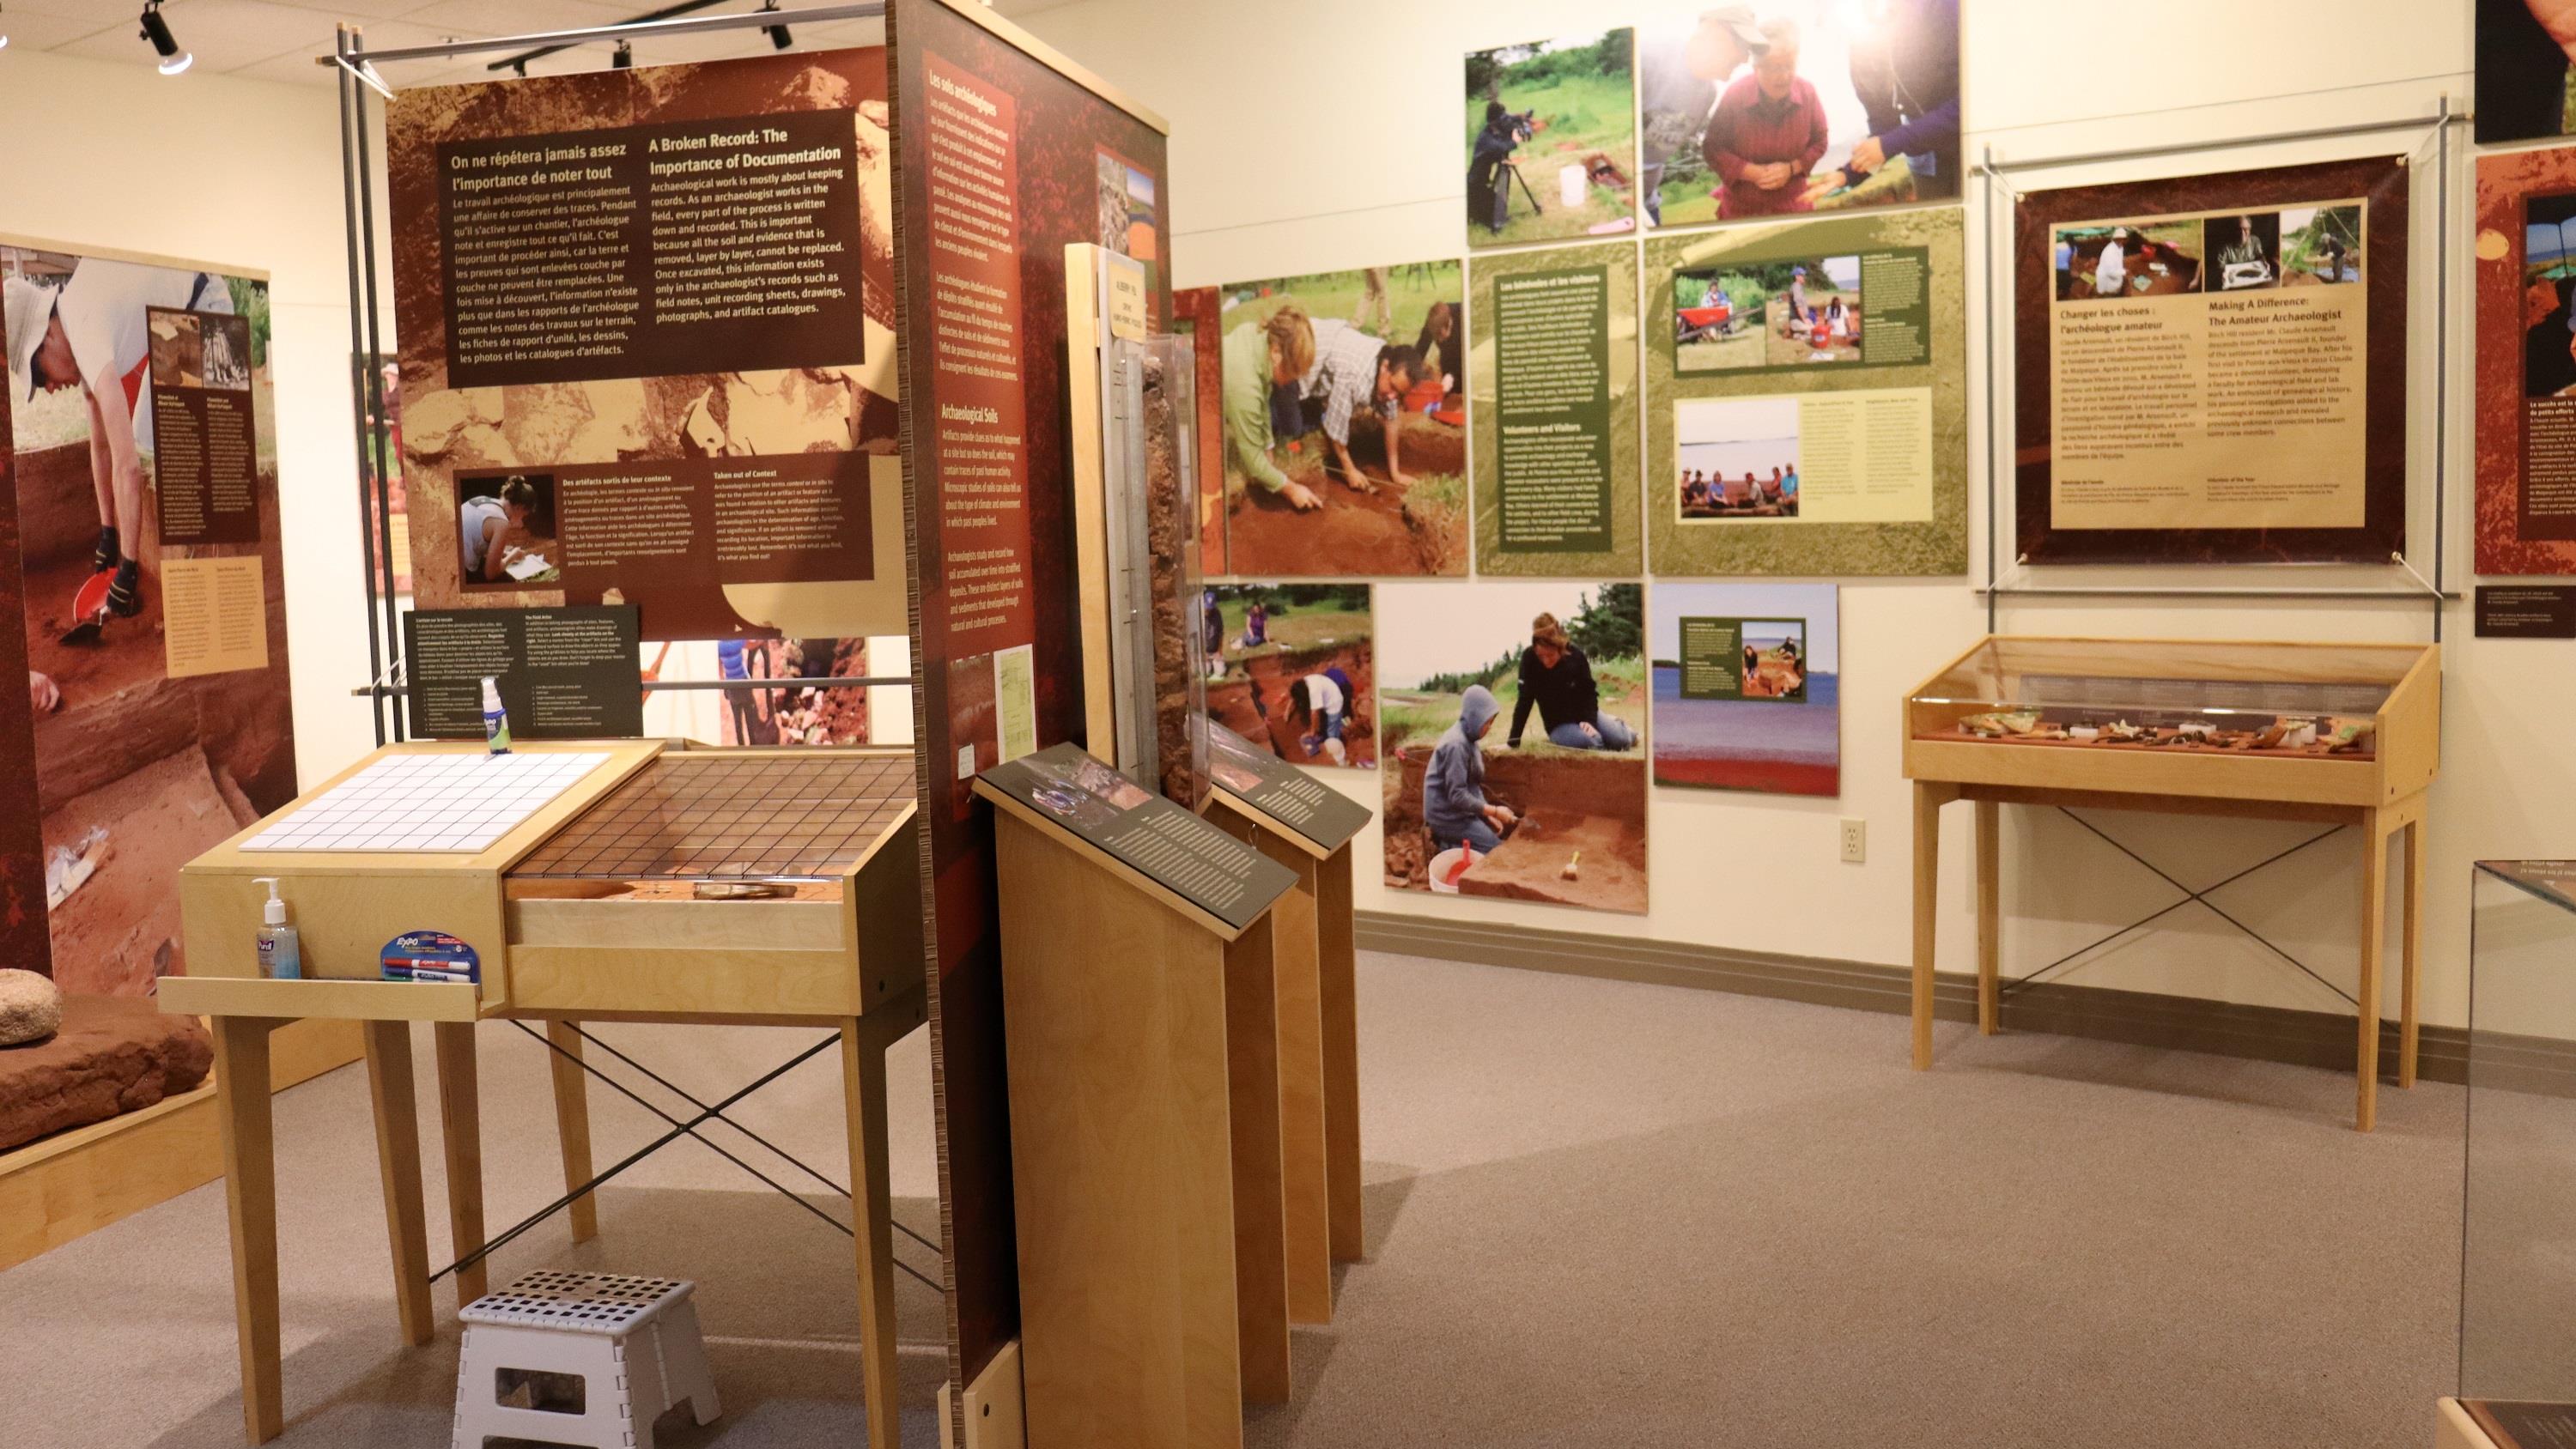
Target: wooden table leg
(863, 1086)
(460, 1114)
(389, 1087)
(1927, 875)
(1336, 956)
(572, 1124)
(2410, 951)
(250, 1202)
(2374, 911)
(1989, 919)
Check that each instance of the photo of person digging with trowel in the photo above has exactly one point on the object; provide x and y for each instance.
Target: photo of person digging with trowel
(1454, 805)
(1345, 444)
(93, 333)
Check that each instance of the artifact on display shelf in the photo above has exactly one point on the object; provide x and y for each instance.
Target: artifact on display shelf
(1552, 139)
(1804, 410)
(2522, 70)
(645, 417)
(1345, 425)
(1555, 411)
(2526, 351)
(2351, 711)
(1748, 687)
(563, 674)
(2212, 369)
(1292, 669)
(1512, 721)
(146, 567)
(1279, 792)
(1813, 106)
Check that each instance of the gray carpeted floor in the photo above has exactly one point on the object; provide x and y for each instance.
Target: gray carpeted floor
(1601, 1214)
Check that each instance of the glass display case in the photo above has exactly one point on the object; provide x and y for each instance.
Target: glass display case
(2518, 1258)
(2337, 723)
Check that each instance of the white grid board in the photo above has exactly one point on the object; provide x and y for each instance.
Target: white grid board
(431, 802)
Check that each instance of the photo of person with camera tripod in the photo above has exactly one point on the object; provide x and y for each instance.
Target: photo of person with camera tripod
(1551, 139)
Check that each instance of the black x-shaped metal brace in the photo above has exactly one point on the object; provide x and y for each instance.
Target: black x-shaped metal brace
(2190, 897)
(680, 1129)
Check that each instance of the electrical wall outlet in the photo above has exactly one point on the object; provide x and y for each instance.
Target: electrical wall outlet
(1855, 838)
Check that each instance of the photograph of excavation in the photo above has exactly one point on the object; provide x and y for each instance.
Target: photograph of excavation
(1513, 721)
(1886, 78)
(1551, 140)
(2321, 245)
(1345, 416)
(1747, 683)
(1290, 666)
(1767, 314)
(2132, 259)
(136, 771)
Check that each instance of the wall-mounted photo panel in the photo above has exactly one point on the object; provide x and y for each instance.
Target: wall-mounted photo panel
(1552, 139)
(1513, 720)
(713, 446)
(2212, 369)
(141, 537)
(1805, 106)
(1804, 410)
(2522, 72)
(1748, 687)
(1345, 424)
(1555, 393)
(1291, 666)
(2526, 346)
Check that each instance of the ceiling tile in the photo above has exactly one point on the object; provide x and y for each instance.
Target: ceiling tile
(45, 32)
(222, 34)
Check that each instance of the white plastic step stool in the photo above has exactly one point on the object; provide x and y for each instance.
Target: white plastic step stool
(610, 1353)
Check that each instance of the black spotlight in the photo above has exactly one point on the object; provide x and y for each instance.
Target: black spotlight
(778, 35)
(157, 30)
(624, 59)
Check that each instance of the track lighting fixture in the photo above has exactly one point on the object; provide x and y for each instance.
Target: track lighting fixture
(157, 31)
(778, 35)
(624, 59)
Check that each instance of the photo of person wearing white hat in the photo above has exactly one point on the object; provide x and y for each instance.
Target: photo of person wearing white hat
(93, 333)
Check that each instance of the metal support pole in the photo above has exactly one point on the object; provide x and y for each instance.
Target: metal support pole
(382, 587)
(352, 157)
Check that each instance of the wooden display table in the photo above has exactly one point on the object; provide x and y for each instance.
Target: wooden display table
(1146, 1159)
(2185, 728)
(585, 910)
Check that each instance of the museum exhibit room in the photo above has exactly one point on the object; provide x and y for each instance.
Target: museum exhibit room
(1197, 724)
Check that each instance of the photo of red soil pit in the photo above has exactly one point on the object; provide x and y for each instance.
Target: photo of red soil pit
(58, 523)
(1356, 534)
(119, 930)
(1568, 804)
(1253, 704)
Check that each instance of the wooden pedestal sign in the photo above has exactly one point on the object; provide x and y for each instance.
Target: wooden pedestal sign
(1306, 827)
(1140, 1000)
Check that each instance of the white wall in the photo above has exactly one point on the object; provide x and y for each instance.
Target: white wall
(242, 174)
(1324, 135)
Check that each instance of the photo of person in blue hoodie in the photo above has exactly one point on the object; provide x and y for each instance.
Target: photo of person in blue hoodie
(1455, 808)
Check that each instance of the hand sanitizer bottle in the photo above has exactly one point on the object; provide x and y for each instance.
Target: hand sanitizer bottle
(281, 951)
(496, 720)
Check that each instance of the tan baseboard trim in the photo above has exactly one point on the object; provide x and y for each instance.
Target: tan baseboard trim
(2100, 1013)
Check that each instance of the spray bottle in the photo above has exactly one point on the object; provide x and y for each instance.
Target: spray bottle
(496, 720)
(281, 950)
